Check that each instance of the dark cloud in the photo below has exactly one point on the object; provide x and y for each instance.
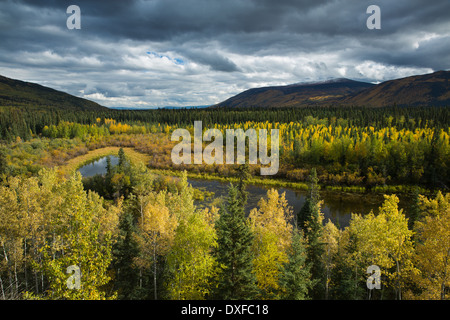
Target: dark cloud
(207, 50)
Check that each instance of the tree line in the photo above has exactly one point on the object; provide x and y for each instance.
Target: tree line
(27, 122)
(344, 155)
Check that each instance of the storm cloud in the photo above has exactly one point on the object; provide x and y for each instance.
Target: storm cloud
(198, 52)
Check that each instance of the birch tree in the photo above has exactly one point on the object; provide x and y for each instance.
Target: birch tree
(432, 256)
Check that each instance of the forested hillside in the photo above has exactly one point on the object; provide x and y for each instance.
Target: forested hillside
(418, 90)
(32, 96)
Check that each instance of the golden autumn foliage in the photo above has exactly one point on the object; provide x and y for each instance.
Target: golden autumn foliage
(432, 254)
(52, 224)
(272, 226)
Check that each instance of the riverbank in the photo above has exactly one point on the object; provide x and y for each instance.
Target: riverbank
(136, 156)
(301, 186)
(210, 189)
(75, 163)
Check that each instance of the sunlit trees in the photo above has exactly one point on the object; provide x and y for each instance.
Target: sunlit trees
(385, 240)
(432, 255)
(74, 240)
(271, 224)
(49, 225)
(191, 266)
(190, 263)
(330, 237)
(165, 247)
(156, 233)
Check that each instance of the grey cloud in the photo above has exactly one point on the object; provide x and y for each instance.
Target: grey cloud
(226, 46)
(211, 58)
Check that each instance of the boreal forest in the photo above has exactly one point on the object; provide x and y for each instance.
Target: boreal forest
(141, 231)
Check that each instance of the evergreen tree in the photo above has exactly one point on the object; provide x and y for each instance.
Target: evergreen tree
(3, 162)
(234, 252)
(125, 250)
(310, 220)
(295, 281)
(122, 160)
(311, 202)
(243, 175)
(414, 210)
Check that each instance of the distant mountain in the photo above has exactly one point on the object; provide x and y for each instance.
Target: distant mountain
(425, 90)
(186, 107)
(21, 94)
(429, 89)
(299, 94)
(156, 108)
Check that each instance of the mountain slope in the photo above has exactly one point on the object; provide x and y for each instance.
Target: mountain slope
(16, 93)
(429, 89)
(296, 94)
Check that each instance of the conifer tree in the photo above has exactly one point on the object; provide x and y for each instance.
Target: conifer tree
(125, 250)
(311, 202)
(310, 220)
(295, 280)
(243, 175)
(122, 160)
(234, 252)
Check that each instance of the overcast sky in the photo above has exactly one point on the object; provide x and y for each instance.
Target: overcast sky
(198, 52)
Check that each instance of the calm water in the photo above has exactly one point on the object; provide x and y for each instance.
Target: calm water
(97, 167)
(337, 206)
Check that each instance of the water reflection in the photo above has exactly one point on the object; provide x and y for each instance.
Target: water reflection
(97, 167)
(337, 206)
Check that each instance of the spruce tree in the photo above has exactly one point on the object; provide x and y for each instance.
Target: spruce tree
(125, 250)
(310, 220)
(234, 254)
(122, 160)
(311, 202)
(295, 281)
(243, 175)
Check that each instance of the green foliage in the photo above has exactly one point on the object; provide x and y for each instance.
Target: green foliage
(295, 279)
(160, 245)
(191, 266)
(310, 220)
(124, 252)
(119, 180)
(234, 252)
(62, 226)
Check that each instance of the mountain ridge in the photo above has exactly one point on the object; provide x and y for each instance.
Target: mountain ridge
(22, 94)
(428, 89)
(295, 94)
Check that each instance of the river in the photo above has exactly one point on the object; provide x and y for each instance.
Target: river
(337, 206)
(97, 167)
